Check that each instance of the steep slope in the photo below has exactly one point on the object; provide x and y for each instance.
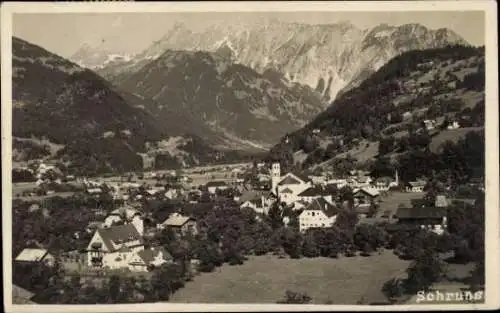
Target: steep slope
(75, 108)
(228, 104)
(70, 114)
(331, 58)
(385, 115)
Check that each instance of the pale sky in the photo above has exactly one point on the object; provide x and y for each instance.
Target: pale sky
(65, 33)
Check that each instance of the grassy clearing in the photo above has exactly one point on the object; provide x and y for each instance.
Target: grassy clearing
(265, 279)
(394, 199)
(450, 134)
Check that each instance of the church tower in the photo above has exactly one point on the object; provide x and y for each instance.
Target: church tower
(275, 177)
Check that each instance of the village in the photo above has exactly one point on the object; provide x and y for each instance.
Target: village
(121, 237)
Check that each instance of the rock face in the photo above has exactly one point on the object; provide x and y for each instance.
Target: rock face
(329, 58)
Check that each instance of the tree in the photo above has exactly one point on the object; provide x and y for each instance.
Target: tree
(166, 280)
(423, 272)
(275, 216)
(386, 145)
(477, 276)
(291, 240)
(393, 289)
(295, 298)
(309, 247)
(114, 286)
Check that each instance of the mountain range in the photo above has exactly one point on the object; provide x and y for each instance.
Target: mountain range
(330, 58)
(68, 113)
(191, 95)
(230, 105)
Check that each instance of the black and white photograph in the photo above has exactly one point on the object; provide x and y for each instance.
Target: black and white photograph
(264, 156)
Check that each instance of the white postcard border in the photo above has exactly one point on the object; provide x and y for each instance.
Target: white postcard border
(492, 247)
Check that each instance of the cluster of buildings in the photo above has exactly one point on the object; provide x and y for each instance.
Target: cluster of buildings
(317, 197)
(119, 242)
(130, 191)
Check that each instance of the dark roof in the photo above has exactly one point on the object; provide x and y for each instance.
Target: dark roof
(321, 204)
(310, 192)
(257, 202)
(216, 184)
(291, 180)
(288, 181)
(286, 190)
(303, 177)
(119, 234)
(420, 213)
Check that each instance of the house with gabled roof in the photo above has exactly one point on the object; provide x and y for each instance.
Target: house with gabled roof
(426, 217)
(259, 205)
(318, 214)
(180, 224)
(415, 186)
(35, 255)
(116, 245)
(126, 215)
(152, 257)
(311, 193)
(366, 194)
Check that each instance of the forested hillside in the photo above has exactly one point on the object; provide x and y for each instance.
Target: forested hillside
(399, 115)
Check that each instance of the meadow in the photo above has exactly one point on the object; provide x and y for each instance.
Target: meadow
(264, 279)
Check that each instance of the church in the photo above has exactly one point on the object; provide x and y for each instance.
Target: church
(288, 187)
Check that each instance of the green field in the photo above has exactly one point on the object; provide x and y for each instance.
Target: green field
(453, 135)
(392, 201)
(265, 279)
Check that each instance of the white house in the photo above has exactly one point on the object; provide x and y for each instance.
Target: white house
(126, 215)
(453, 125)
(429, 124)
(383, 183)
(258, 205)
(155, 256)
(35, 255)
(172, 193)
(94, 191)
(415, 186)
(213, 186)
(116, 245)
(359, 181)
(320, 213)
(338, 182)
